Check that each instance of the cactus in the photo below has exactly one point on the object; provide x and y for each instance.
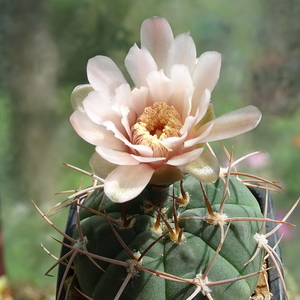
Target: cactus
(173, 235)
(188, 241)
(162, 220)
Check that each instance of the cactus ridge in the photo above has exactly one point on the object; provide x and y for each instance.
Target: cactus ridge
(191, 241)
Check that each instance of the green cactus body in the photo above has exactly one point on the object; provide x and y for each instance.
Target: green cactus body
(185, 258)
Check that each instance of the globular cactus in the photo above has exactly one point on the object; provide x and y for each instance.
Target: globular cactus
(167, 244)
(187, 241)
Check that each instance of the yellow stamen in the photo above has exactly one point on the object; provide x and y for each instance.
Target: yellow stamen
(156, 123)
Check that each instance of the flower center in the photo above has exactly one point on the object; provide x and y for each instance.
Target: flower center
(156, 123)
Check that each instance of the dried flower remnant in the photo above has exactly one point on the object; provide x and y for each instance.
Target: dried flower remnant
(156, 131)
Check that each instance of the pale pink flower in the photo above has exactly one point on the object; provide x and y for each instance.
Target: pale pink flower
(154, 132)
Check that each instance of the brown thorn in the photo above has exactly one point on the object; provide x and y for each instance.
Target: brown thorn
(96, 212)
(236, 219)
(195, 293)
(51, 224)
(271, 254)
(265, 211)
(67, 192)
(182, 191)
(261, 228)
(60, 261)
(286, 216)
(246, 182)
(165, 275)
(171, 232)
(258, 248)
(276, 256)
(63, 279)
(207, 203)
(177, 228)
(237, 278)
(59, 210)
(151, 245)
(229, 157)
(256, 219)
(278, 242)
(81, 236)
(246, 156)
(84, 172)
(84, 295)
(222, 239)
(77, 194)
(183, 200)
(120, 240)
(123, 286)
(157, 222)
(49, 253)
(99, 257)
(210, 149)
(193, 218)
(180, 235)
(80, 232)
(226, 190)
(260, 179)
(208, 295)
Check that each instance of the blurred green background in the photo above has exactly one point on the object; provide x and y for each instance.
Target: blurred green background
(44, 48)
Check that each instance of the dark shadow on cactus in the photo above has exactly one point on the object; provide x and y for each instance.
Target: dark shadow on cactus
(64, 250)
(275, 285)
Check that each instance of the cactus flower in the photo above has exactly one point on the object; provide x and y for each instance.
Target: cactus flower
(154, 132)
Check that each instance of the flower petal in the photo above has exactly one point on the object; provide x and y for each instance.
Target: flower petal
(185, 158)
(175, 143)
(93, 133)
(205, 75)
(143, 150)
(116, 157)
(188, 125)
(231, 124)
(182, 51)
(148, 159)
(104, 75)
(79, 94)
(183, 90)
(205, 108)
(160, 86)
(99, 108)
(198, 139)
(139, 100)
(101, 167)
(126, 182)
(157, 36)
(139, 63)
(119, 131)
(125, 120)
(122, 97)
(205, 168)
